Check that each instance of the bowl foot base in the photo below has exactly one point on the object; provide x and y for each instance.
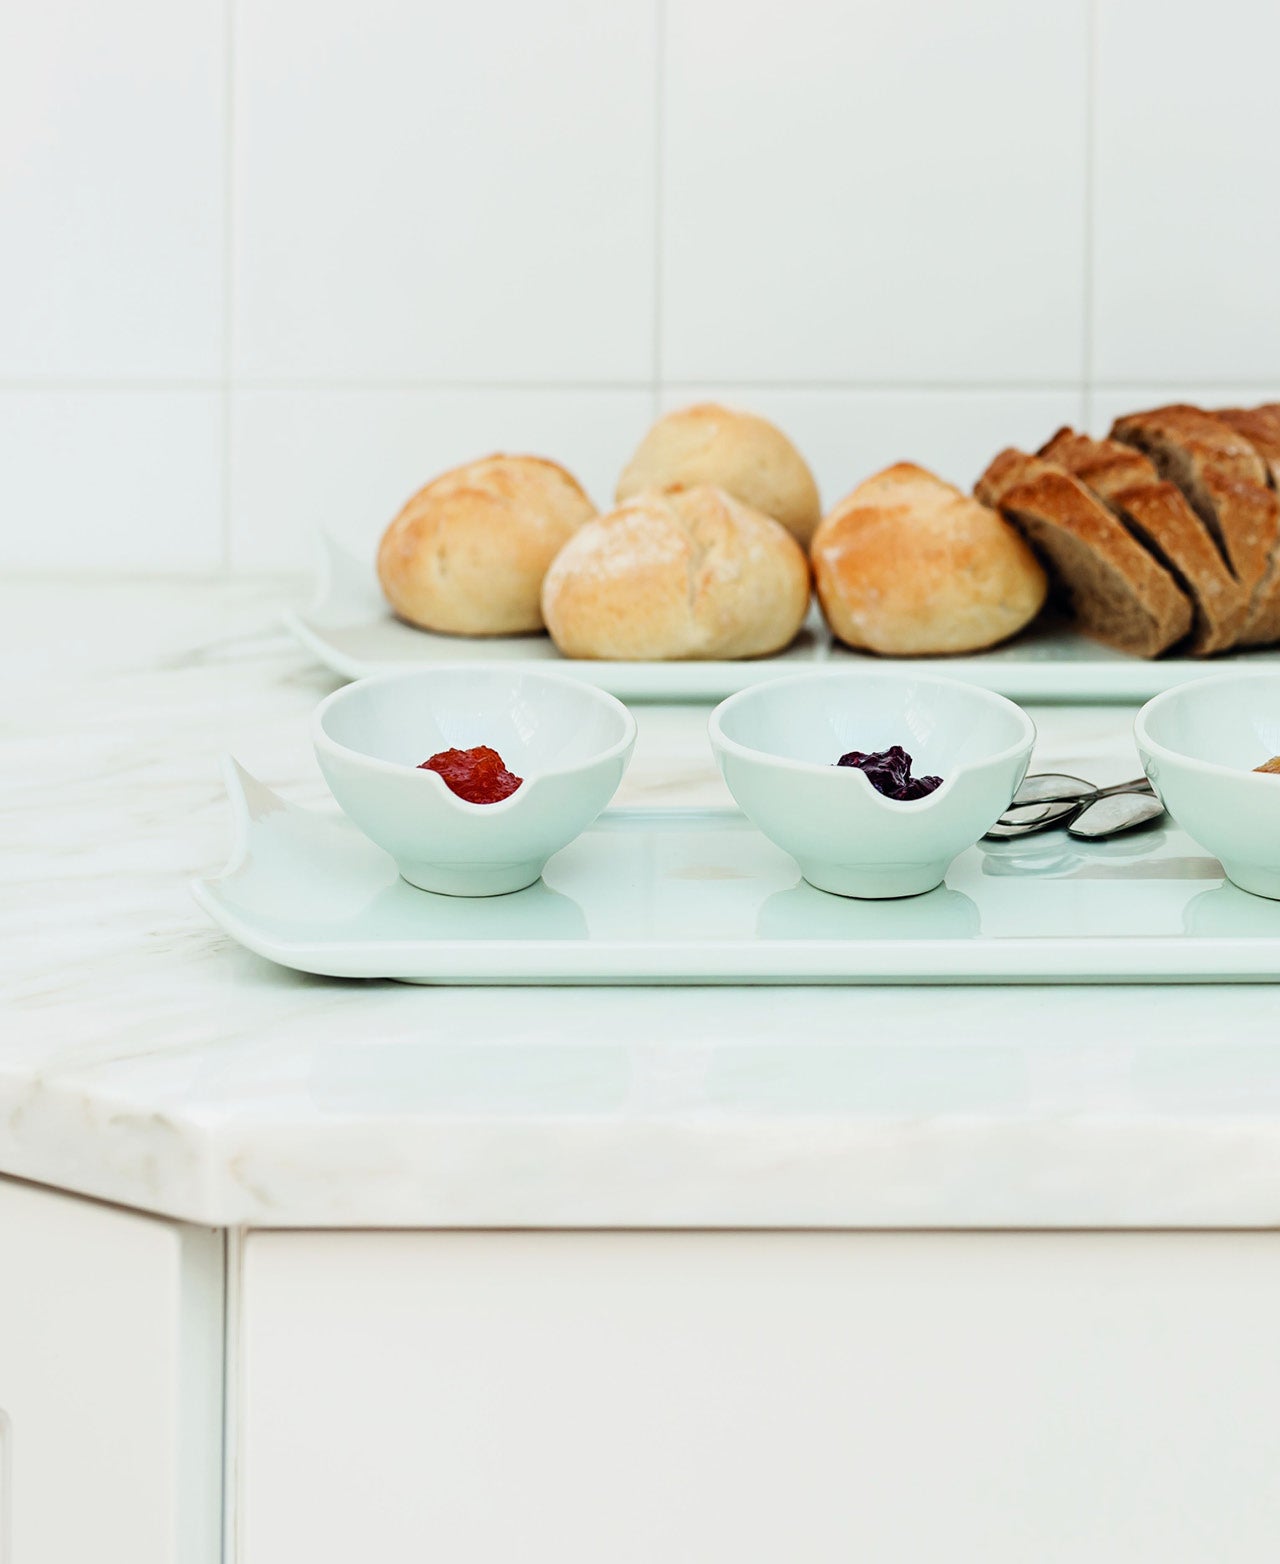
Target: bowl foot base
(499, 879)
(881, 883)
(1258, 882)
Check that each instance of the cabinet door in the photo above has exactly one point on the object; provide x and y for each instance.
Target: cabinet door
(755, 1398)
(110, 1384)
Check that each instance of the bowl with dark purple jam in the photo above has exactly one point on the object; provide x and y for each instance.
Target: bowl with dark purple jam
(873, 780)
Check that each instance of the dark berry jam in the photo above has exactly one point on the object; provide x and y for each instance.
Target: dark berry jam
(889, 772)
(478, 775)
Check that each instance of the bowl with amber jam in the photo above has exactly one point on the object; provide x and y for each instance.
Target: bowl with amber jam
(1211, 750)
(873, 780)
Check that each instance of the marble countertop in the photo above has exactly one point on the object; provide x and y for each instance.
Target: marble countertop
(146, 1059)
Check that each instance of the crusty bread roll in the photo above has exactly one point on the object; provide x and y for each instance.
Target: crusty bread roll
(467, 554)
(744, 455)
(909, 566)
(693, 574)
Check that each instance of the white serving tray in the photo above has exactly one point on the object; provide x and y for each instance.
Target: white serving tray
(699, 896)
(349, 628)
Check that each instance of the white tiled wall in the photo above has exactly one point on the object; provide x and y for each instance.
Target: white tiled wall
(266, 265)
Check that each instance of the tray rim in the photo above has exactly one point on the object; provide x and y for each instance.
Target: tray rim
(575, 962)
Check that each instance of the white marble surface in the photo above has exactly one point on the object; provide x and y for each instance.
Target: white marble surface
(145, 1059)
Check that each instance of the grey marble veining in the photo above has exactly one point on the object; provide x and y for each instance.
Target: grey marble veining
(146, 1059)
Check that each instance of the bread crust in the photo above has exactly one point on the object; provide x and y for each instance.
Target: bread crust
(1119, 594)
(741, 453)
(1158, 515)
(1226, 483)
(468, 552)
(909, 566)
(694, 574)
(1260, 426)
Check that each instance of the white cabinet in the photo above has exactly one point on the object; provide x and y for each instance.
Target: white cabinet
(755, 1398)
(640, 1398)
(110, 1384)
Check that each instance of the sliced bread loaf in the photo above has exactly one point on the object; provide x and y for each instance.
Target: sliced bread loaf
(1260, 426)
(1225, 480)
(1157, 514)
(1118, 592)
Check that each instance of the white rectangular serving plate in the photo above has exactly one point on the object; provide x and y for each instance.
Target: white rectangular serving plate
(349, 628)
(699, 896)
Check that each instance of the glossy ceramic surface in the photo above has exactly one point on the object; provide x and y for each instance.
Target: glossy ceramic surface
(777, 747)
(570, 742)
(1199, 746)
(349, 629)
(699, 896)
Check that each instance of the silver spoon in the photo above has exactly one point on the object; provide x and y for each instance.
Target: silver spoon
(1024, 819)
(1051, 787)
(1051, 798)
(1112, 815)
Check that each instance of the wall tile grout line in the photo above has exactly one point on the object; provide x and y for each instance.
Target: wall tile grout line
(1090, 197)
(228, 276)
(142, 386)
(659, 190)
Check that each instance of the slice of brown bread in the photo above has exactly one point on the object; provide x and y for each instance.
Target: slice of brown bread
(1158, 515)
(1225, 480)
(1118, 592)
(1260, 426)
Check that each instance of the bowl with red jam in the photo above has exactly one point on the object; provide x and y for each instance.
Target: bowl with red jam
(1209, 749)
(874, 780)
(471, 777)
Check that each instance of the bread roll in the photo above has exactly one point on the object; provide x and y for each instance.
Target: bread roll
(467, 554)
(744, 455)
(694, 574)
(909, 566)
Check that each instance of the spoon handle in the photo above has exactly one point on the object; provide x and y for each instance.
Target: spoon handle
(1137, 785)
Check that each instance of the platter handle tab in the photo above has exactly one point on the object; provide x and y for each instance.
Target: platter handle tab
(251, 801)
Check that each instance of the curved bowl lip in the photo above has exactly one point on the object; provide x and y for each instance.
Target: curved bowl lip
(721, 740)
(1208, 768)
(324, 744)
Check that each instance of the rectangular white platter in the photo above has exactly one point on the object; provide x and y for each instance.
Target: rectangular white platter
(349, 628)
(699, 896)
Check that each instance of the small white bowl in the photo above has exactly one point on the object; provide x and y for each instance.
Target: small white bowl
(1199, 744)
(569, 741)
(777, 745)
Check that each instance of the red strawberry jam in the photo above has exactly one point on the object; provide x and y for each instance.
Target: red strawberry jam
(478, 775)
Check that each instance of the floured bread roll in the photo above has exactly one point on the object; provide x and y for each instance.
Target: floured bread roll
(744, 455)
(694, 574)
(909, 566)
(467, 554)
